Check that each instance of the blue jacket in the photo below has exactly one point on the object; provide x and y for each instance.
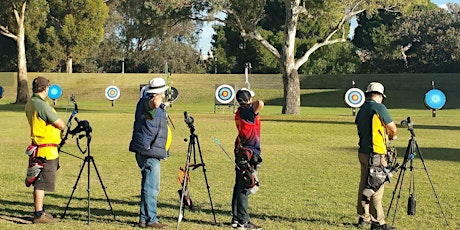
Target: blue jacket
(149, 133)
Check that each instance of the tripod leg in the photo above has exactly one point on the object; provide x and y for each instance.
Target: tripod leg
(74, 187)
(403, 168)
(403, 172)
(103, 188)
(206, 179)
(184, 184)
(431, 182)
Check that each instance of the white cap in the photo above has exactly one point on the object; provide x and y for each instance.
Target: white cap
(156, 85)
(376, 87)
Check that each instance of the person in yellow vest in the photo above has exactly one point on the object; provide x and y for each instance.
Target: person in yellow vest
(150, 142)
(45, 133)
(375, 127)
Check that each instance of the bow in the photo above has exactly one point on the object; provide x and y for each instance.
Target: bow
(69, 121)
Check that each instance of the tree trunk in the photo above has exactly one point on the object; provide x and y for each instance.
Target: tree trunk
(291, 83)
(22, 95)
(68, 65)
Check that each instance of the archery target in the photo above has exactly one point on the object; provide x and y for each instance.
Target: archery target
(224, 94)
(435, 99)
(54, 92)
(1, 91)
(354, 97)
(112, 93)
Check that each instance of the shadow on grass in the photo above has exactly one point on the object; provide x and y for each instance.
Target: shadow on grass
(439, 154)
(395, 100)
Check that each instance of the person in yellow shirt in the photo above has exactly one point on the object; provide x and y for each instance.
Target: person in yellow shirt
(45, 133)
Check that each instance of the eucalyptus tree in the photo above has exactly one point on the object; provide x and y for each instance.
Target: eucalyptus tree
(73, 32)
(157, 31)
(13, 24)
(333, 15)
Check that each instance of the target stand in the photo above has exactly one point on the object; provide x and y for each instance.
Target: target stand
(224, 97)
(112, 93)
(434, 100)
(354, 98)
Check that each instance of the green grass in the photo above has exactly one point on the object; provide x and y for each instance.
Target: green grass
(309, 175)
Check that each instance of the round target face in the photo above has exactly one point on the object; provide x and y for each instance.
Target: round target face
(354, 97)
(112, 93)
(225, 94)
(435, 99)
(54, 92)
(1, 91)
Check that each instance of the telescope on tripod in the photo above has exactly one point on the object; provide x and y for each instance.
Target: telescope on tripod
(412, 151)
(191, 152)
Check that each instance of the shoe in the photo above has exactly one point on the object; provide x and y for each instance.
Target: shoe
(363, 223)
(234, 223)
(45, 218)
(376, 226)
(141, 225)
(156, 225)
(247, 226)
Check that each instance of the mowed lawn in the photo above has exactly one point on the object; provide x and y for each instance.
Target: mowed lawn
(310, 170)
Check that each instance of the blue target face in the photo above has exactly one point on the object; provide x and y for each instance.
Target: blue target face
(435, 99)
(225, 94)
(54, 92)
(112, 93)
(354, 97)
(1, 91)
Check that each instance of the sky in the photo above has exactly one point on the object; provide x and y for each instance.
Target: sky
(204, 44)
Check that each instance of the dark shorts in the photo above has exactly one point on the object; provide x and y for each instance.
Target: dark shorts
(47, 178)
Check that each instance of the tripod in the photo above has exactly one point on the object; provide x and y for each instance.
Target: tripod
(84, 126)
(193, 143)
(411, 150)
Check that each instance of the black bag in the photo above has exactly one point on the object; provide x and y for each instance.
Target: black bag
(411, 204)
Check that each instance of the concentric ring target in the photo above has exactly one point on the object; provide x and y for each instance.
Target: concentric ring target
(54, 92)
(1, 91)
(354, 97)
(435, 99)
(225, 94)
(112, 92)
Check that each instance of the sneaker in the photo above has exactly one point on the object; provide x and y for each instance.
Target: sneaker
(234, 223)
(363, 223)
(156, 225)
(247, 226)
(141, 225)
(376, 226)
(44, 219)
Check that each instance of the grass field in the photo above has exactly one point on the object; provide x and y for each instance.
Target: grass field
(310, 172)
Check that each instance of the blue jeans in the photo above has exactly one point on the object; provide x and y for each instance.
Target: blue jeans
(150, 187)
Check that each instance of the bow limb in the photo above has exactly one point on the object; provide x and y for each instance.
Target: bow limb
(69, 121)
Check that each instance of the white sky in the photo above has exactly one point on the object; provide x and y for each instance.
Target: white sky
(206, 35)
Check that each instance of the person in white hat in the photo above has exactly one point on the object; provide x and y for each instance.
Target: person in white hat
(150, 142)
(375, 128)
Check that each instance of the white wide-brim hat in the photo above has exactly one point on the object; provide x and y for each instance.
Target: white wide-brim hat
(156, 85)
(376, 87)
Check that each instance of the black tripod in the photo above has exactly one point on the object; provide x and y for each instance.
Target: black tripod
(83, 126)
(193, 142)
(411, 151)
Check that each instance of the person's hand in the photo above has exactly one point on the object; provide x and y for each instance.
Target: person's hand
(394, 137)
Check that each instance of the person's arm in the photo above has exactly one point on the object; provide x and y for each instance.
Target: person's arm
(257, 106)
(60, 124)
(392, 130)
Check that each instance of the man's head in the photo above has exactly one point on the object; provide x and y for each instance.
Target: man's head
(156, 86)
(243, 96)
(375, 88)
(40, 84)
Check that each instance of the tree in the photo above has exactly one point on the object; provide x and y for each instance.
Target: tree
(74, 30)
(16, 31)
(334, 15)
